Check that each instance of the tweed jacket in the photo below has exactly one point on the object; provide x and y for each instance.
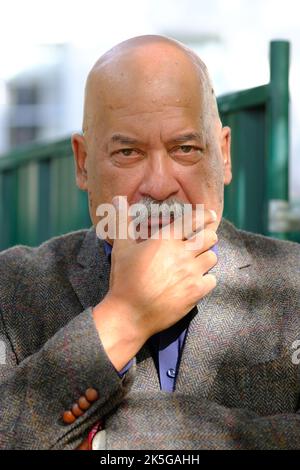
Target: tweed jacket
(237, 385)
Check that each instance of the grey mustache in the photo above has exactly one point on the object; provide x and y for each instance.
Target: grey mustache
(151, 207)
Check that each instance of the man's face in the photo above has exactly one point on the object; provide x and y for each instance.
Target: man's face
(152, 137)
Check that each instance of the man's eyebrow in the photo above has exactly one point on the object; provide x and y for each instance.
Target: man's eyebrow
(186, 137)
(126, 140)
(123, 139)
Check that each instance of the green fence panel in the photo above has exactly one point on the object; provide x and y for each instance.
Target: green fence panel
(27, 202)
(245, 113)
(39, 197)
(68, 205)
(8, 211)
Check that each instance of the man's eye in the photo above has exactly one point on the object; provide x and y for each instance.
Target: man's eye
(186, 148)
(126, 152)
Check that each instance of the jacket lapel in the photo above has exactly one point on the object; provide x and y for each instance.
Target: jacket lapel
(220, 316)
(90, 276)
(146, 373)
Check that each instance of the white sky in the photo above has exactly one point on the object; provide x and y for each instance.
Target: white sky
(237, 59)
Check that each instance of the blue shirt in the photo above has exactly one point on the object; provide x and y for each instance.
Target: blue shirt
(166, 346)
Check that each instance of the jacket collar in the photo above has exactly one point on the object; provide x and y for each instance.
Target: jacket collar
(222, 315)
(90, 275)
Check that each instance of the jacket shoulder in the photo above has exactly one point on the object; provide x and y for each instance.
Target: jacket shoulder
(270, 247)
(50, 255)
(276, 261)
(261, 244)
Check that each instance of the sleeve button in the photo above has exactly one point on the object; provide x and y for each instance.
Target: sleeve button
(76, 410)
(91, 394)
(68, 417)
(83, 403)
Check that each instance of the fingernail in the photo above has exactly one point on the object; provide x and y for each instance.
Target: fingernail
(214, 215)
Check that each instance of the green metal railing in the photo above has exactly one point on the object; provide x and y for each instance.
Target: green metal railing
(39, 199)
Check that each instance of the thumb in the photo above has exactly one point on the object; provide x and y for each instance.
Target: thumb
(122, 221)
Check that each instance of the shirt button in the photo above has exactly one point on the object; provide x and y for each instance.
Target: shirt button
(171, 373)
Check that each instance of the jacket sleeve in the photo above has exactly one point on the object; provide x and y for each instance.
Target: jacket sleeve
(35, 393)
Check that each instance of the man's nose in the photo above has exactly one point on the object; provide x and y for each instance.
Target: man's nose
(159, 181)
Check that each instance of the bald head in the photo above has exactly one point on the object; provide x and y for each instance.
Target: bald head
(150, 69)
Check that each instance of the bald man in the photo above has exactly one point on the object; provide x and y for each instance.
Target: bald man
(122, 343)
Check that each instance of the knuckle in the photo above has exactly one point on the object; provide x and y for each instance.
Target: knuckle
(207, 283)
(212, 280)
(198, 289)
(205, 260)
(211, 236)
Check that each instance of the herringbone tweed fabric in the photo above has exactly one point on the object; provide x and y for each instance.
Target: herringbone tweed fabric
(237, 386)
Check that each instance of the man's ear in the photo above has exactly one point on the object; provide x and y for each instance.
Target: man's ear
(80, 156)
(226, 154)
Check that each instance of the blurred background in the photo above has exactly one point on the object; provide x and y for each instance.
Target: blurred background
(47, 49)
